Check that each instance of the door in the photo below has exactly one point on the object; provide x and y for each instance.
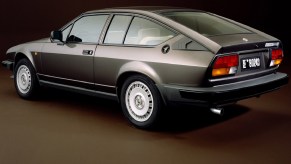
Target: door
(71, 62)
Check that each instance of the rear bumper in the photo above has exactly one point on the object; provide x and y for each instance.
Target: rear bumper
(223, 94)
(8, 64)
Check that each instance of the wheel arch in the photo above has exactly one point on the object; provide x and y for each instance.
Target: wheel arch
(136, 68)
(20, 55)
(121, 79)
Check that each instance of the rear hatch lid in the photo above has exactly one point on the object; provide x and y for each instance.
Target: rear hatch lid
(239, 39)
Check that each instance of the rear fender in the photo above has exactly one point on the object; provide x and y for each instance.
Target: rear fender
(142, 68)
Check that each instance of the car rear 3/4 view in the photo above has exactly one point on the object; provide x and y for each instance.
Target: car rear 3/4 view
(243, 66)
(148, 58)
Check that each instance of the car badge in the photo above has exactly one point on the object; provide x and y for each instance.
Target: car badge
(165, 49)
(245, 39)
(273, 44)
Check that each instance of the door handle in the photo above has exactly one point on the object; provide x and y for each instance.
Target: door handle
(87, 52)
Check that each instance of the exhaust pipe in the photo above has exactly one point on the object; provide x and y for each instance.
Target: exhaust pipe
(218, 111)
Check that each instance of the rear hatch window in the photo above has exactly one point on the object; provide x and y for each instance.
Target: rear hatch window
(205, 24)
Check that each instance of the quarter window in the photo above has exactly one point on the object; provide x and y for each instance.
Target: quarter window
(117, 29)
(146, 32)
(89, 28)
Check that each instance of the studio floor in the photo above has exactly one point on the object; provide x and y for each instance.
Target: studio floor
(62, 127)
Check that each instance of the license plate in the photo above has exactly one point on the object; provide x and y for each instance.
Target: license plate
(250, 63)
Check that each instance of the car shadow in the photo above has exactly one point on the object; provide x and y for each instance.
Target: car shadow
(77, 101)
(186, 118)
(177, 119)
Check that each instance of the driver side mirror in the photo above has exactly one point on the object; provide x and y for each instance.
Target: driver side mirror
(57, 35)
(73, 39)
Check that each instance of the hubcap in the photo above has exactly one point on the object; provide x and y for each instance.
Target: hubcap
(139, 101)
(23, 79)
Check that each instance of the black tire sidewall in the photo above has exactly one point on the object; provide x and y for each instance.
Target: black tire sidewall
(156, 98)
(31, 93)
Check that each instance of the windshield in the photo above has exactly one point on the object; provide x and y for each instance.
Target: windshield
(205, 23)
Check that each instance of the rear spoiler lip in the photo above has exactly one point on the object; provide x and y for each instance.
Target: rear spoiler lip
(250, 46)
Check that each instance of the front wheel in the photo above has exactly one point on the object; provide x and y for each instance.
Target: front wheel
(141, 101)
(25, 79)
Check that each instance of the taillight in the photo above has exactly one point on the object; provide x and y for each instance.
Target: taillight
(277, 57)
(225, 65)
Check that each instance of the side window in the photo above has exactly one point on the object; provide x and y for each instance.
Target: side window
(66, 32)
(146, 32)
(89, 28)
(117, 29)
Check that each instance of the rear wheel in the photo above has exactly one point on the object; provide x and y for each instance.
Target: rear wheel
(25, 79)
(141, 101)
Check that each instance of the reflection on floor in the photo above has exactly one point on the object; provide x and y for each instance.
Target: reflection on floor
(63, 127)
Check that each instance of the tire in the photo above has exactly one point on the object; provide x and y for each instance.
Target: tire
(141, 102)
(25, 79)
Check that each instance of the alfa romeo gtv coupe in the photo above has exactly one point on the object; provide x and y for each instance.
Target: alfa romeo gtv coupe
(150, 57)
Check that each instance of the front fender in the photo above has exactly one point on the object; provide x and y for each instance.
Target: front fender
(32, 51)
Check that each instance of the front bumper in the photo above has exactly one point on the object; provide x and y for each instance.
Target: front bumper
(8, 64)
(223, 94)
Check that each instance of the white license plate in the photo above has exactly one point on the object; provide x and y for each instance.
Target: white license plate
(250, 63)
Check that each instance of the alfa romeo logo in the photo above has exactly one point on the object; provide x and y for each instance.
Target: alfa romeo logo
(166, 49)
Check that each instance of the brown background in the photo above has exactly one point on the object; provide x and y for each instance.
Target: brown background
(23, 21)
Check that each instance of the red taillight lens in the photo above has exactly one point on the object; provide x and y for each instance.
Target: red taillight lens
(276, 54)
(226, 61)
(277, 57)
(225, 65)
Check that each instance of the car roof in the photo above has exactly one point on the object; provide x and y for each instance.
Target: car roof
(155, 12)
(153, 9)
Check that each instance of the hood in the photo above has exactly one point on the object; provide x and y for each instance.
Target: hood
(44, 40)
(29, 46)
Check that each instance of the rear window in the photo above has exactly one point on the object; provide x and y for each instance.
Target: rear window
(206, 24)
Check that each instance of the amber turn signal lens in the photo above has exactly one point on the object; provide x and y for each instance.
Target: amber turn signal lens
(278, 61)
(220, 71)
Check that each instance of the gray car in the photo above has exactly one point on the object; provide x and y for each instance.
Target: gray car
(150, 57)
